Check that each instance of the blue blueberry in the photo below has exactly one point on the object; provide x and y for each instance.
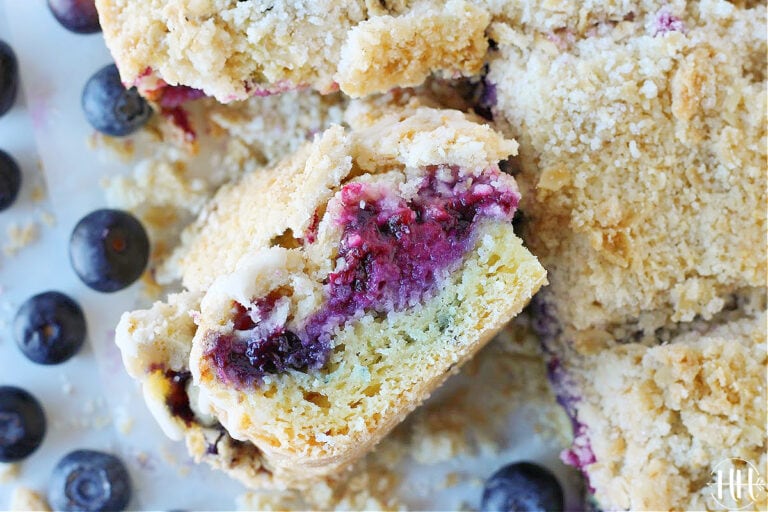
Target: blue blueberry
(110, 107)
(22, 424)
(77, 16)
(10, 180)
(109, 249)
(9, 77)
(89, 480)
(522, 486)
(49, 328)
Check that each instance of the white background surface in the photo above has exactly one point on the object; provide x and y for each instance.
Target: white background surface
(89, 400)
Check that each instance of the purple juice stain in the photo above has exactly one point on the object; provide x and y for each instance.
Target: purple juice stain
(580, 453)
(488, 99)
(174, 96)
(668, 22)
(393, 251)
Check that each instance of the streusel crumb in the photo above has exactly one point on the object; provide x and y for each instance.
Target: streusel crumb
(642, 157)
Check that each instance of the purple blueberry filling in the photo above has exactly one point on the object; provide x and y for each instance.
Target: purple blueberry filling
(177, 399)
(488, 99)
(393, 253)
(258, 346)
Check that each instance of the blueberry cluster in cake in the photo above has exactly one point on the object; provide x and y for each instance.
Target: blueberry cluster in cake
(392, 254)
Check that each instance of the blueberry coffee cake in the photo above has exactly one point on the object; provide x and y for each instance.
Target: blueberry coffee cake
(643, 148)
(652, 419)
(642, 166)
(327, 297)
(233, 49)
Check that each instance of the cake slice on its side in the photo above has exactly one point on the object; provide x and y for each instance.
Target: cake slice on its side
(335, 292)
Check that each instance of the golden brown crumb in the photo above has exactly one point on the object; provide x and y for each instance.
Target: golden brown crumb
(24, 499)
(20, 235)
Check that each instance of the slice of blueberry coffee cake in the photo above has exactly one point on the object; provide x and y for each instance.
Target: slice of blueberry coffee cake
(327, 297)
(642, 157)
(654, 420)
(642, 168)
(233, 49)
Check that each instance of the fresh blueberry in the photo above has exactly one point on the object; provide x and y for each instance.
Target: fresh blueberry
(522, 486)
(9, 77)
(49, 328)
(109, 249)
(22, 424)
(110, 107)
(89, 480)
(77, 16)
(10, 179)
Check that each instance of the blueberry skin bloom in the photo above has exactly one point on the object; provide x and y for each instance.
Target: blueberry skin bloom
(78, 16)
(49, 328)
(522, 487)
(110, 107)
(10, 180)
(89, 480)
(9, 77)
(22, 424)
(109, 249)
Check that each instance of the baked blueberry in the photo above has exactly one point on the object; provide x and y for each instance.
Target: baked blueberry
(22, 424)
(109, 249)
(522, 486)
(49, 328)
(79, 16)
(110, 107)
(10, 179)
(9, 77)
(89, 480)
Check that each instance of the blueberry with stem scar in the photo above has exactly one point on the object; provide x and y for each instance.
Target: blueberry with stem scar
(89, 480)
(49, 328)
(111, 108)
(109, 249)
